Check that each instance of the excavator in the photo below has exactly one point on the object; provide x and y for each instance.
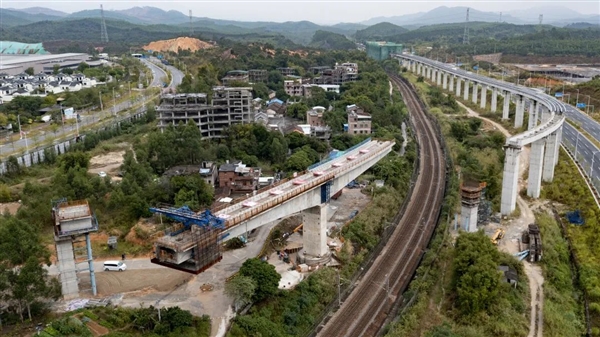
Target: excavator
(498, 235)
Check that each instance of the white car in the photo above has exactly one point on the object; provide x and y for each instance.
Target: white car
(114, 265)
(102, 174)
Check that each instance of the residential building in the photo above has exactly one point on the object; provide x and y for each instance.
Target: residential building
(314, 117)
(381, 50)
(340, 74)
(359, 122)
(240, 76)
(276, 107)
(227, 107)
(293, 87)
(285, 71)
(238, 178)
(258, 76)
(209, 172)
(23, 84)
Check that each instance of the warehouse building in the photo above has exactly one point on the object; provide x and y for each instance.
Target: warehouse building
(13, 64)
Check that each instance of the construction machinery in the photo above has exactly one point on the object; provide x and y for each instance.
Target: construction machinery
(497, 236)
(192, 245)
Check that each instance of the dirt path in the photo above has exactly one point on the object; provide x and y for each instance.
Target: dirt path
(513, 234)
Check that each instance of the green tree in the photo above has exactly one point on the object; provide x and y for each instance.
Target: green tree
(241, 290)
(29, 71)
(278, 151)
(82, 67)
(298, 161)
(265, 276)
(56, 69)
(297, 110)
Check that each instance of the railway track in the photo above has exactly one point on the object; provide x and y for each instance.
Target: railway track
(364, 312)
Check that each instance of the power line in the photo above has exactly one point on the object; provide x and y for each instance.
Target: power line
(103, 32)
(191, 26)
(466, 34)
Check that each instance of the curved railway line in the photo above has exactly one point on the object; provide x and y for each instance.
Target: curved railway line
(364, 312)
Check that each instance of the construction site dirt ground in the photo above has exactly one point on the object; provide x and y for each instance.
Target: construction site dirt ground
(110, 163)
(144, 283)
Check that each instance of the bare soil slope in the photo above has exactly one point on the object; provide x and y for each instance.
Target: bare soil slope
(180, 42)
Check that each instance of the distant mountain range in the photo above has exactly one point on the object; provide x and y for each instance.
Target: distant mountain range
(141, 24)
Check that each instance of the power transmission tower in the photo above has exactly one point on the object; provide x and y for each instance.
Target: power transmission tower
(541, 18)
(191, 27)
(103, 32)
(466, 34)
(500, 17)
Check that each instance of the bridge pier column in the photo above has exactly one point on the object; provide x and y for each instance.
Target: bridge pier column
(451, 87)
(533, 116)
(458, 87)
(557, 147)
(483, 97)
(315, 233)
(445, 81)
(536, 164)
(550, 156)
(510, 180)
(439, 78)
(506, 108)
(494, 99)
(467, 85)
(475, 89)
(520, 112)
(414, 67)
(432, 75)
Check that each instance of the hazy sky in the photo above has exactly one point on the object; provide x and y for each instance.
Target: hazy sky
(324, 12)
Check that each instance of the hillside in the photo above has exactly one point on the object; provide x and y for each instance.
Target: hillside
(174, 45)
(328, 40)
(380, 31)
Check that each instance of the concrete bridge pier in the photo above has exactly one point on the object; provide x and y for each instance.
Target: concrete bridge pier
(536, 164)
(445, 81)
(467, 85)
(451, 87)
(510, 180)
(439, 77)
(550, 156)
(483, 96)
(315, 250)
(494, 99)
(458, 87)
(506, 108)
(533, 117)
(520, 112)
(475, 90)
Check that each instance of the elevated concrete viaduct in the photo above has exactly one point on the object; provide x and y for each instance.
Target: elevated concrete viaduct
(544, 126)
(308, 193)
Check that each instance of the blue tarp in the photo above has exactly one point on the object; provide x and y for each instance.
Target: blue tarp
(575, 218)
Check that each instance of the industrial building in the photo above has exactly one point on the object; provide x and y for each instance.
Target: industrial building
(381, 50)
(14, 64)
(227, 106)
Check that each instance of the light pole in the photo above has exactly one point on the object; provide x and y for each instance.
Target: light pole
(114, 102)
(592, 166)
(587, 107)
(576, 142)
(577, 100)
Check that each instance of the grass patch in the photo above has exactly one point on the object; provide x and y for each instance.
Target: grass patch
(562, 312)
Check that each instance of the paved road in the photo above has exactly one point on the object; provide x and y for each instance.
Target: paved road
(66, 131)
(176, 74)
(586, 151)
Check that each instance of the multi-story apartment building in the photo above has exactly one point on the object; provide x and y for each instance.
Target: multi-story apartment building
(257, 75)
(342, 73)
(240, 76)
(359, 122)
(228, 106)
(314, 116)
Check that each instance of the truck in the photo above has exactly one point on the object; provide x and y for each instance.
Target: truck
(165, 62)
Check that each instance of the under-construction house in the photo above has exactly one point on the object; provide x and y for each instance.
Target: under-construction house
(73, 223)
(193, 244)
(470, 193)
(228, 106)
(235, 76)
(257, 76)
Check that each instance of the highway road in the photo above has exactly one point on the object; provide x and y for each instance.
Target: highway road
(586, 151)
(66, 130)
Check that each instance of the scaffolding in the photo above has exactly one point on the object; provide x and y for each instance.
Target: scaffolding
(193, 245)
